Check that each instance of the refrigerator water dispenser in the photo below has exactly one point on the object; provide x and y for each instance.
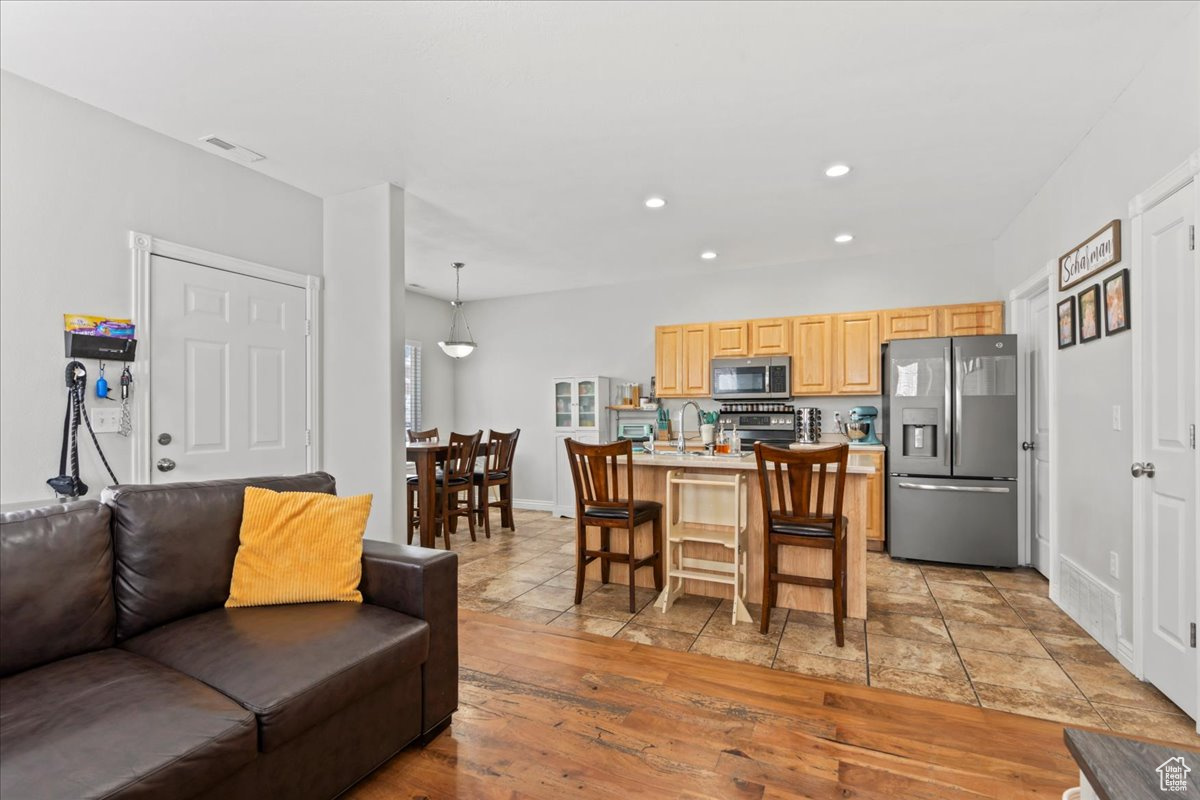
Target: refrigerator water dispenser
(920, 432)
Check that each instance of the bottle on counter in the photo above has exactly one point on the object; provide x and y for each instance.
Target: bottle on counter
(735, 441)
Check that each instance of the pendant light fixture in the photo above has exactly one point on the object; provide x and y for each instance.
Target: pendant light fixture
(454, 346)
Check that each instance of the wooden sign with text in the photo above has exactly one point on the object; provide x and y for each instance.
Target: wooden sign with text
(1097, 253)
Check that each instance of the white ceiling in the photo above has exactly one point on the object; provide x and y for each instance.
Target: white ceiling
(528, 134)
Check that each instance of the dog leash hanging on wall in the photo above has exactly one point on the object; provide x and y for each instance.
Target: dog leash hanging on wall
(65, 485)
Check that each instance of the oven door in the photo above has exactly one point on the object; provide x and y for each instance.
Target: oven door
(740, 379)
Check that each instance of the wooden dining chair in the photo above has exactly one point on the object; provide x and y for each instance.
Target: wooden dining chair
(497, 471)
(430, 435)
(457, 478)
(595, 469)
(793, 484)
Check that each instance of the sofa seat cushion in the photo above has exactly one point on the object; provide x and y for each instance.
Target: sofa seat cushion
(112, 724)
(295, 665)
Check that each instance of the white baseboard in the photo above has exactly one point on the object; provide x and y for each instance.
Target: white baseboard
(1125, 655)
(533, 505)
(1086, 599)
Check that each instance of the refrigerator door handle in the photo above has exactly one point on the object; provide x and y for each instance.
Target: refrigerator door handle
(958, 411)
(935, 487)
(946, 410)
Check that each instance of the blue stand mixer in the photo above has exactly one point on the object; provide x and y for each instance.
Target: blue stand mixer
(860, 429)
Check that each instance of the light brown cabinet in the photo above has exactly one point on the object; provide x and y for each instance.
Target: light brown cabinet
(812, 355)
(908, 323)
(831, 354)
(856, 353)
(695, 358)
(681, 356)
(668, 349)
(875, 516)
(730, 338)
(771, 337)
(972, 319)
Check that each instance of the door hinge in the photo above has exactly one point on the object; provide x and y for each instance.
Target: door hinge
(1191, 237)
(1192, 435)
(307, 438)
(308, 327)
(1193, 634)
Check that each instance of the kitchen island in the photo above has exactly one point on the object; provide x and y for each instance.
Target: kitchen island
(650, 483)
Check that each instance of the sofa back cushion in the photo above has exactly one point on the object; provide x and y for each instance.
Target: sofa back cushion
(175, 544)
(56, 596)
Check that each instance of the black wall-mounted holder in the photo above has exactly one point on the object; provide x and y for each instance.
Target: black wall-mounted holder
(105, 348)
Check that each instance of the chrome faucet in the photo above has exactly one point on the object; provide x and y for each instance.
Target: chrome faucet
(699, 417)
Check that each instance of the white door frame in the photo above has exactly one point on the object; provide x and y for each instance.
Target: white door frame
(143, 246)
(1018, 323)
(1172, 182)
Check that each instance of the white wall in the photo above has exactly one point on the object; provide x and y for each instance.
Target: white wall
(76, 181)
(525, 342)
(1153, 127)
(427, 320)
(363, 351)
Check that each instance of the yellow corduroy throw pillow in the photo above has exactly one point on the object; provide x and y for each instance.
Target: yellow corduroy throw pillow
(298, 547)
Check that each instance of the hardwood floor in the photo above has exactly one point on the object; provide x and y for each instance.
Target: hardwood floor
(548, 712)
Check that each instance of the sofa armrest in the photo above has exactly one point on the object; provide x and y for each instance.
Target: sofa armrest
(422, 583)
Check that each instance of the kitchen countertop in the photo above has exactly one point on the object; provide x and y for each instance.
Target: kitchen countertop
(860, 465)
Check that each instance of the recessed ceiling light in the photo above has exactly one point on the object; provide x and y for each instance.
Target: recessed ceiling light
(655, 202)
(709, 255)
(842, 238)
(837, 171)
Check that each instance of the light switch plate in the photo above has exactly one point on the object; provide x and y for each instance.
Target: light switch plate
(105, 420)
(1113, 564)
(1116, 418)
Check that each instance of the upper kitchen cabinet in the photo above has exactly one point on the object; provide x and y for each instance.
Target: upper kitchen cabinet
(681, 355)
(696, 370)
(972, 319)
(856, 353)
(770, 337)
(812, 355)
(730, 338)
(908, 323)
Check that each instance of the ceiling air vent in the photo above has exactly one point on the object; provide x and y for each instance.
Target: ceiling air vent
(234, 151)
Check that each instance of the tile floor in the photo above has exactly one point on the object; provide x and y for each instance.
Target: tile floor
(980, 637)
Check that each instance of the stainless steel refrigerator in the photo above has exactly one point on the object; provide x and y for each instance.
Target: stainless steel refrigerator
(950, 422)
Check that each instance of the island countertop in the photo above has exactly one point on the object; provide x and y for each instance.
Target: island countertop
(856, 464)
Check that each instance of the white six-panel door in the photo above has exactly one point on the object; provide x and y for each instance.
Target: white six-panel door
(228, 366)
(1167, 490)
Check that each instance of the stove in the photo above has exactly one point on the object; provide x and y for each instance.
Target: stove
(769, 423)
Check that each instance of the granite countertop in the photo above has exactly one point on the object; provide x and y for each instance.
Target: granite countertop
(860, 465)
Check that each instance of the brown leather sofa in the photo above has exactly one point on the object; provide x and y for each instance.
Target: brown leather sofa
(122, 675)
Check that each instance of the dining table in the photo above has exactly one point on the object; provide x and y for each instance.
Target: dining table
(426, 456)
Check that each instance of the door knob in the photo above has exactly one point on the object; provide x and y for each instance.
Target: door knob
(1148, 470)
(1026, 445)
(165, 465)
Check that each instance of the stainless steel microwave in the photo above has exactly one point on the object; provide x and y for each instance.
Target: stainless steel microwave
(752, 378)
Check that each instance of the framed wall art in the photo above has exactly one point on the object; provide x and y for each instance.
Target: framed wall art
(1116, 302)
(1089, 314)
(1066, 322)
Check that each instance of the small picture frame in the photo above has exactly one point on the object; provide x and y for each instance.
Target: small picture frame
(1066, 323)
(1089, 314)
(1116, 302)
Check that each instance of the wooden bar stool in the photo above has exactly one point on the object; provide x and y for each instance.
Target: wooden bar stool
(430, 435)
(594, 469)
(497, 471)
(457, 478)
(792, 484)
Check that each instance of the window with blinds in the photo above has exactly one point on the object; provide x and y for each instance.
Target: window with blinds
(412, 385)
